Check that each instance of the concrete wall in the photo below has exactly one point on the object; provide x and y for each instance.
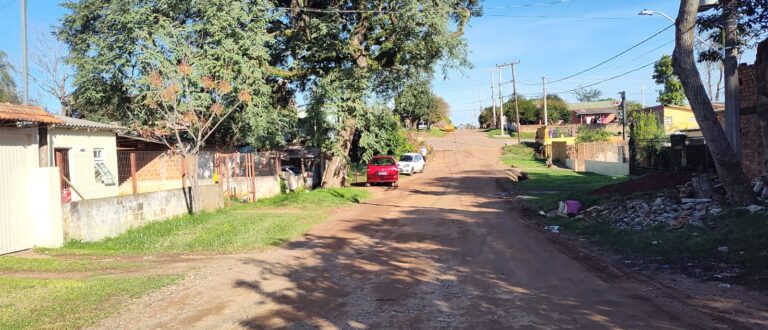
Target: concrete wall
(46, 213)
(266, 186)
(81, 143)
(606, 168)
(95, 219)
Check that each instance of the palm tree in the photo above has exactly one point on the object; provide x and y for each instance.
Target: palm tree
(7, 84)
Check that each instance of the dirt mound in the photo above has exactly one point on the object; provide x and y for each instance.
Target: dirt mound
(646, 183)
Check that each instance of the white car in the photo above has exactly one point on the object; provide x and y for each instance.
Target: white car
(411, 163)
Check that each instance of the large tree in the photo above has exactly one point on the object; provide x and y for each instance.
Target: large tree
(346, 53)
(587, 94)
(728, 165)
(439, 112)
(181, 69)
(414, 103)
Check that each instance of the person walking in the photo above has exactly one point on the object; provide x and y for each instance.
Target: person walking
(424, 152)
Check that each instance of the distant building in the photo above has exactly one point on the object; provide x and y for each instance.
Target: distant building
(599, 112)
(677, 118)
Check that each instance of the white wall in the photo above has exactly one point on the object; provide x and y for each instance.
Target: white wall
(81, 143)
(606, 168)
(18, 157)
(47, 227)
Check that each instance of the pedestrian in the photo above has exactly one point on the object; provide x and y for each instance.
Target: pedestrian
(424, 153)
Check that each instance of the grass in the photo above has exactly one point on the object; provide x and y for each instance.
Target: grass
(436, 132)
(546, 186)
(745, 235)
(268, 222)
(19, 264)
(492, 133)
(27, 303)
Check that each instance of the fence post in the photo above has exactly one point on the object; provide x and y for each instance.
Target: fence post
(229, 173)
(134, 184)
(252, 167)
(184, 175)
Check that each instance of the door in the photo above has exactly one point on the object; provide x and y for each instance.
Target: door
(17, 159)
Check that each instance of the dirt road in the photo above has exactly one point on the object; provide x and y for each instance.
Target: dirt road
(440, 251)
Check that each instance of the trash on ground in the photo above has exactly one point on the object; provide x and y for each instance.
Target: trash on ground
(553, 229)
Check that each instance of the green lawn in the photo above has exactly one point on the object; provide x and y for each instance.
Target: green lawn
(492, 133)
(268, 222)
(546, 186)
(436, 132)
(10, 264)
(30, 303)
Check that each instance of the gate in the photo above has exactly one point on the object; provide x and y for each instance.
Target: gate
(17, 159)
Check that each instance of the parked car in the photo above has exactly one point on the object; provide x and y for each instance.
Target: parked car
(410, 163)
(383, 169)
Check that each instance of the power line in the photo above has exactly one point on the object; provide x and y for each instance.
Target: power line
(7, 4)
(609, 79)
(610, 59)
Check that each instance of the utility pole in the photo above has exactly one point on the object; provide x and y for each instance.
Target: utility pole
(501, 104)
(493, 97)
(731, 77)
(24, 62)
(623, 115)
(544, 85)
(511, 65)
(517, 108)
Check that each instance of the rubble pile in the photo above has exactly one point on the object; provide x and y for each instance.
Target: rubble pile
(640, 213)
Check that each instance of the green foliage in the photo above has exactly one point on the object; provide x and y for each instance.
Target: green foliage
(8, 91)
(587, 94)
(19, 264)
(160, 65)
(592, 134)
(380, 133)
(440, 112)
(647, 132)
(752, 27)
(415, 102)
(664, 74)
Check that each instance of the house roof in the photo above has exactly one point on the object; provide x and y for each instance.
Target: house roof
(719, 106)
(70, 122)
(593, 108)
(31, 113)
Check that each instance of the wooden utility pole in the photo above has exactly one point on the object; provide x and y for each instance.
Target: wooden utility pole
(517, 108)
(623, 115)
(732, 119)
(544, 85)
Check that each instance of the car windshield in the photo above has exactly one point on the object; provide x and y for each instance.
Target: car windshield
(406, 158)
(382, 161)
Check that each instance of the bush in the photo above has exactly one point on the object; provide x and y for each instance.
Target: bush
(587, 134)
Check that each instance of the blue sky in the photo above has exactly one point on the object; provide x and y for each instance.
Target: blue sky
(545, 38)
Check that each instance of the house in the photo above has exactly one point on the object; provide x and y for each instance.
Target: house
(677, 118)
(29, 195)
(599, 112)
(86, 153)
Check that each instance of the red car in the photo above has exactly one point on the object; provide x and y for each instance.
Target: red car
(383, 169)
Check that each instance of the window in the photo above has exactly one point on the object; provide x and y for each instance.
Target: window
(691, 119)
(667, 120)
(101, 171)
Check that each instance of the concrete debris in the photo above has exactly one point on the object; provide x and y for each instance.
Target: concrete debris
(755, 208)
(553, 229)
(724, 285)
(723, 249)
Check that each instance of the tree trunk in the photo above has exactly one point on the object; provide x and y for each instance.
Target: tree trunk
(728, 166)
(761, 62)
(193, 188)
(335, 174)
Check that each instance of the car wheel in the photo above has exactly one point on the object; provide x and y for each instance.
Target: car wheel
(412, 171)
(395, 184)
(367, 184)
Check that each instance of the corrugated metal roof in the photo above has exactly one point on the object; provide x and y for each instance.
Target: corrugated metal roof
(609, 104)
(70, 122)
(19, 112)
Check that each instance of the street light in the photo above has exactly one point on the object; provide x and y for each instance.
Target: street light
(648, 12)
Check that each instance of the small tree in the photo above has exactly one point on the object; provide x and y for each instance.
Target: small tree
(648, 134)
(664, 74)
(49, 70)
(8, 91)
(586, 94)
(592, 134)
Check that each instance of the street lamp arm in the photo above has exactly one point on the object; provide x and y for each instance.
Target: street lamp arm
(648, 12)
